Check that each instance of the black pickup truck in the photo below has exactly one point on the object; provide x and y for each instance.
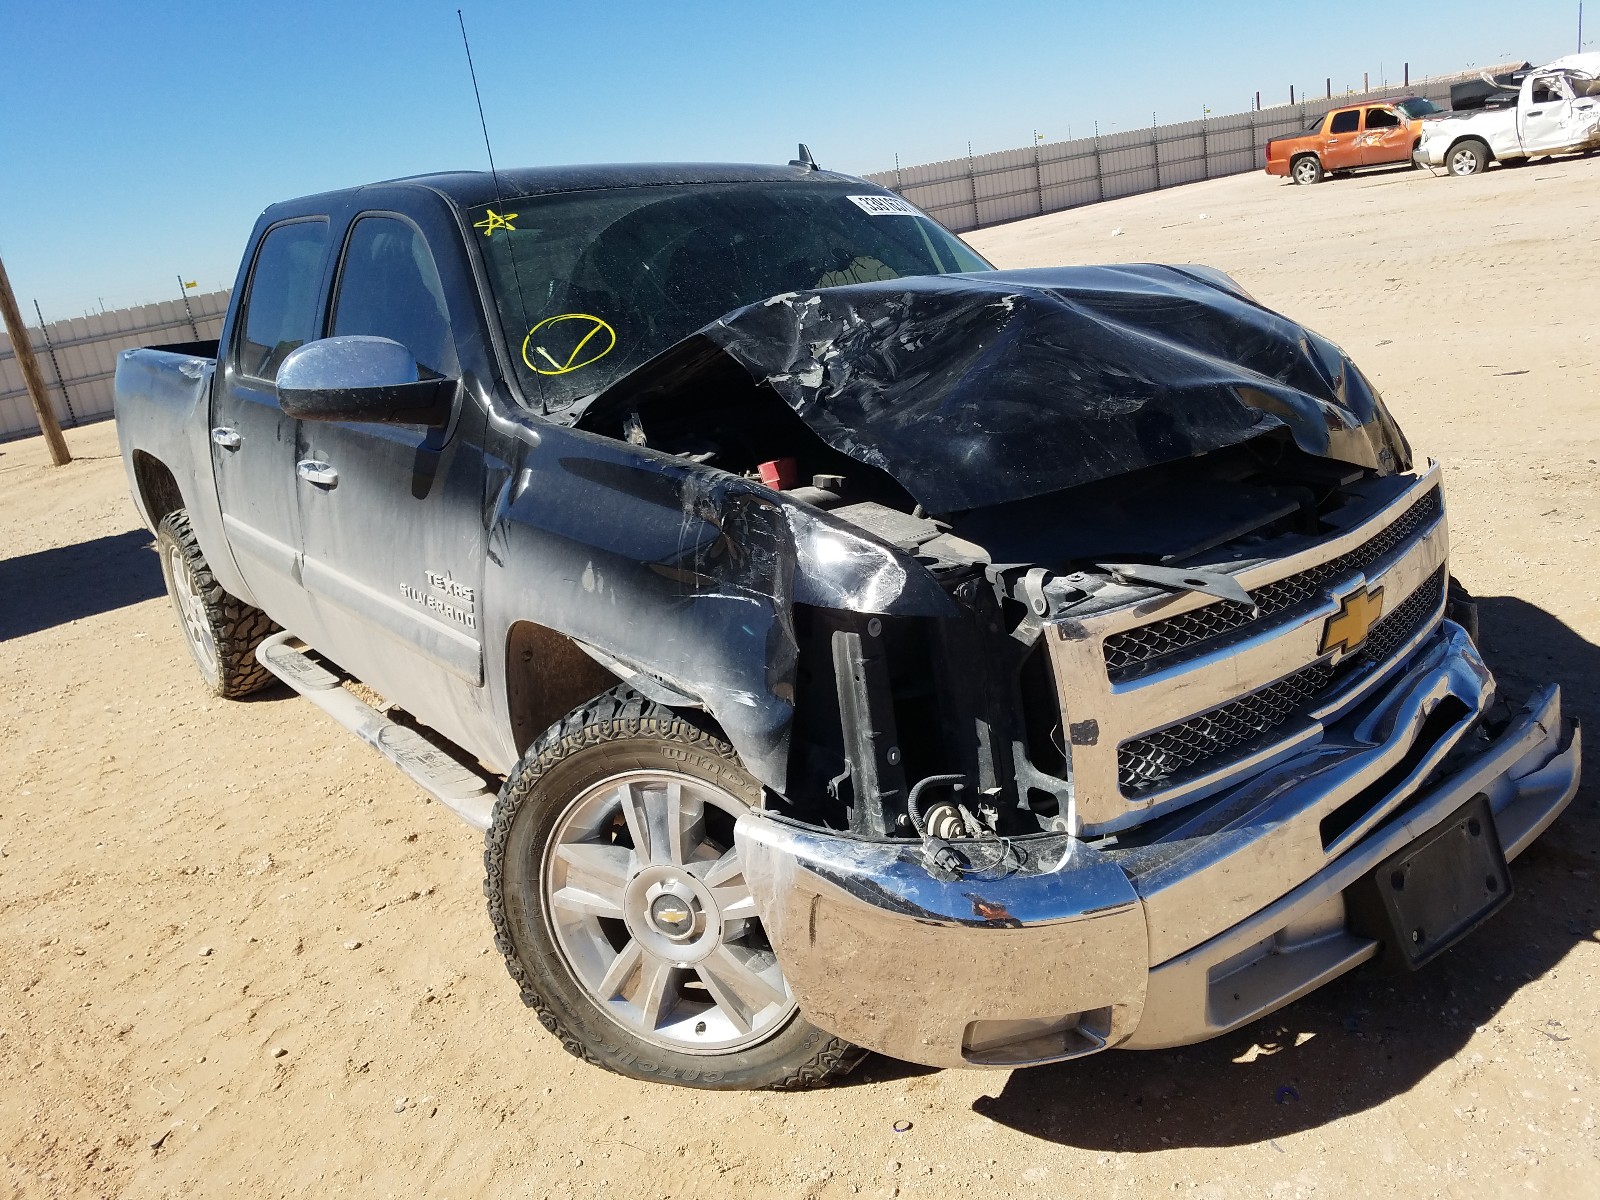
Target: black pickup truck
(843, 644)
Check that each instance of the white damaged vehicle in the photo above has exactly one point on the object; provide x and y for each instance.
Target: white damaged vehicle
(1557, 112)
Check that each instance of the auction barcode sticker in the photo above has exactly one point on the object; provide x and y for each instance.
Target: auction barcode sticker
(883, 206)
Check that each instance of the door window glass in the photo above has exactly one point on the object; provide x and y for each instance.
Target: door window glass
(389, 287)
(1551, 90)
(1382, 118)
(1346, 122)
(280, 310)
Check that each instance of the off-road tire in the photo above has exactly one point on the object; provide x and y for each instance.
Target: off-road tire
(1306, 170)
(621, 729)
(1470, 157)
(230, 629)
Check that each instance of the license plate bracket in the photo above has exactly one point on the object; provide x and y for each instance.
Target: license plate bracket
(1432, 892)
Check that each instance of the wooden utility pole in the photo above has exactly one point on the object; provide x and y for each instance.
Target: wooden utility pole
(23, 349)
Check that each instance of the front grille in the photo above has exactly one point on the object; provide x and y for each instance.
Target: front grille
(1173, 639)
(1158, 759)
(1398, 627)
(1161, 759)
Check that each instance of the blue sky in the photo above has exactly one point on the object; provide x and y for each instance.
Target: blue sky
(138, 141)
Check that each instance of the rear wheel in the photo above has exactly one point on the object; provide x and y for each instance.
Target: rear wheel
(619, 901)
(221, 631)
(1307, 169)
(1470, 157)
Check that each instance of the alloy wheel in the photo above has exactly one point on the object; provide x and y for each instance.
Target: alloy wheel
(647, 902)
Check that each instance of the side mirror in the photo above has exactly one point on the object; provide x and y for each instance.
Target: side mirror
(358, 378)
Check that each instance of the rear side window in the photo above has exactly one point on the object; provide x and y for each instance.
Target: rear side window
(280, 311)
(389, 287)
(1381, 118)
(1345, 122)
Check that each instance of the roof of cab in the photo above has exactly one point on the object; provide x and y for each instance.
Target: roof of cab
(468, 189)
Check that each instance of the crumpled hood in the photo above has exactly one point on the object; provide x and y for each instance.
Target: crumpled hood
(979, 389)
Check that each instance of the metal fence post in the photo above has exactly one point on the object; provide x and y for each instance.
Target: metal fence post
(1038, 173)
(972, 182)
(1155, 149)
(1099, 178)
(183, 290)
(55, 364)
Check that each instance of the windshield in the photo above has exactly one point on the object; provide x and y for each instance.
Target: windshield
(591, 284)
(1418, 108)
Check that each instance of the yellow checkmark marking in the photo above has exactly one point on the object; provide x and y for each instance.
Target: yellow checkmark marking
(582, 354)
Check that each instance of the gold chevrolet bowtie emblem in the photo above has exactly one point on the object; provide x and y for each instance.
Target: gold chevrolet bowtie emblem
(1348, 627)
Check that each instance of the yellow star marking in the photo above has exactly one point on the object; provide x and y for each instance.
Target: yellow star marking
(495, 221)
(1348, 628)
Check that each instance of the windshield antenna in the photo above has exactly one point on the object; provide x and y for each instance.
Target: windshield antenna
(495, 175)
(499, 195)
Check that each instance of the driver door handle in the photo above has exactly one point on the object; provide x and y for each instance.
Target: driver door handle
(320, 473)
(228, 439)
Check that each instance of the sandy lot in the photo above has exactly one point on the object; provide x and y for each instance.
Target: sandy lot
(242, 956)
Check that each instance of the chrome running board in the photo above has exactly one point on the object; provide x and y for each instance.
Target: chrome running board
(461, 790)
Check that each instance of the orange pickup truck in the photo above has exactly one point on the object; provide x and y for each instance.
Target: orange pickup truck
(1343, 139)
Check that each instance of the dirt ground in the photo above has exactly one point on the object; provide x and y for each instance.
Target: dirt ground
(242, 956)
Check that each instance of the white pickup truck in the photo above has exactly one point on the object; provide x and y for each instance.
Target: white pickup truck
(1557, 112)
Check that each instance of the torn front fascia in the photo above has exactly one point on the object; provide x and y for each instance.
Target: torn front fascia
(985, 708)
(696, 589)
(882, 704)
(873, 761)
(982, 389)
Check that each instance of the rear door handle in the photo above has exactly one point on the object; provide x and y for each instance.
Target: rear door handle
(320, 473)
(228, 439)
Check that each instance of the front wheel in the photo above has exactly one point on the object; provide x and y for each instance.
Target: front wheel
(1468, 158)
(620, 904)
(1307, 170)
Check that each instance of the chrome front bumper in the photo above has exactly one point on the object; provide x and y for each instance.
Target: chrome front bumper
(1061, 949)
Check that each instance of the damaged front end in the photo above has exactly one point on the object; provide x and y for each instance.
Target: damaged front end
(1090, 632)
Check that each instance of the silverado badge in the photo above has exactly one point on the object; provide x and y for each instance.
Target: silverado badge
(1348, 627)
